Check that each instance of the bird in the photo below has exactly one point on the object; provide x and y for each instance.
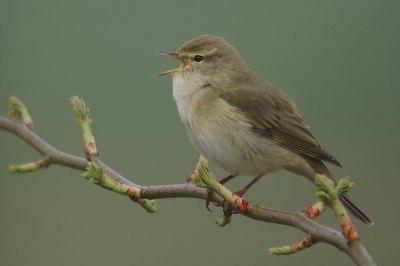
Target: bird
(241, 122)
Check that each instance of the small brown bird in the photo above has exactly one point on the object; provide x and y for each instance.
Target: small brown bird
(241, 122)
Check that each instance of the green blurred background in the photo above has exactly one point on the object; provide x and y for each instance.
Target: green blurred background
(338, 60)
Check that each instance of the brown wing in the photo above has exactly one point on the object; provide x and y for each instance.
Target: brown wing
(273, 114)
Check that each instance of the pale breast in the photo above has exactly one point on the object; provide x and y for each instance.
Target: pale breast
(222, 134)
(181, 96)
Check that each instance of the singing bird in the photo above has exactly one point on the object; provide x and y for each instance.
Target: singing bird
(239, 121)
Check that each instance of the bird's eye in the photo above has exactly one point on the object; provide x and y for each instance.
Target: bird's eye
(198, 58)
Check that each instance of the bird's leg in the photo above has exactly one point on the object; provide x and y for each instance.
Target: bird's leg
(226, 179)
(227, 209)
(208, 194)
(241, 192)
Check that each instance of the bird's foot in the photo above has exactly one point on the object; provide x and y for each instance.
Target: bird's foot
(207, 197)
(209, 193)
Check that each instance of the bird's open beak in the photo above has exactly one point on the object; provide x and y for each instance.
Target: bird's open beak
(175, 56)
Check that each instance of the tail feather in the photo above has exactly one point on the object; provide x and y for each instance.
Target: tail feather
(346, 201)
(355, 210)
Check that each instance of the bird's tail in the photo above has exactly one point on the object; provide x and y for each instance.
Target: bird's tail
(346, 201)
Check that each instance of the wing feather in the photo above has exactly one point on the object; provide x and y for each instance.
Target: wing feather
(274, 115)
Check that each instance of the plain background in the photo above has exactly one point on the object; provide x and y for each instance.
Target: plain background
(338, 60)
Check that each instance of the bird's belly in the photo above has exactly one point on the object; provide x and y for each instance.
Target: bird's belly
(237, 150)
(223, 135)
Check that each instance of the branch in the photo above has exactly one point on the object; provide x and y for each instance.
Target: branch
(108, 178)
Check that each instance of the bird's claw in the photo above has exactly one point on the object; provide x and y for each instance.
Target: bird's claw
(207, 197)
